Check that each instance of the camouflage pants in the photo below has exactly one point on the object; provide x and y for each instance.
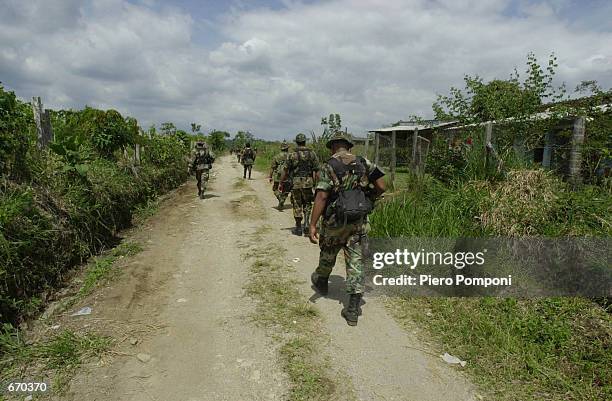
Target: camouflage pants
(281, 196)
(301, 200)
(247, 169)
(348, 239)
(202, 177)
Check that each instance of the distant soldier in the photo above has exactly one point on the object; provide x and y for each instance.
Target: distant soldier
(247, 158)
(345, 195)
(201, 163)
(238, 154)
(302, 166)
(276, 171)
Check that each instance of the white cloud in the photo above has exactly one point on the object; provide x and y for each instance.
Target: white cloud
(277, 72)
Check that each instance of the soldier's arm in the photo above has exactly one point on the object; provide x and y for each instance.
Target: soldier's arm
(317, 210)
(376, 177)
(285, 174)
(315, 168)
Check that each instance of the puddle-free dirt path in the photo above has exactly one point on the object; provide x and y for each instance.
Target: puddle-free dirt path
(189, 281)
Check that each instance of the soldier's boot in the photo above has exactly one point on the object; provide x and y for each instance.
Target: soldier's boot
(297, 230)
(281, 204)
(351, 312)
(306, 227)
(319, 282)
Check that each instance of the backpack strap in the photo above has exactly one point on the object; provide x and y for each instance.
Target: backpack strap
(339, 170)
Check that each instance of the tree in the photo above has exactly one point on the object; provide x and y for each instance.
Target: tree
(332, 123)
(216, 139)
(195, 128)
(168, 128)
(499, 99)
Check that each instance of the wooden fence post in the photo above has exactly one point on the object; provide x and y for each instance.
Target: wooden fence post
(415, 142)
(137, 153)
(487, 144)
(393, 156)
(367, 145)
(43, 123)
(575, 159)
(547, 154)
(377, 148)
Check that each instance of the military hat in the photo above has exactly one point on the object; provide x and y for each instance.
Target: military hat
(284, 145)
(339, 136)
(201, 144)
(300, 138)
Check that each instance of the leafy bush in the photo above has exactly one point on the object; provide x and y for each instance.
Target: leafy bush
(71, 201)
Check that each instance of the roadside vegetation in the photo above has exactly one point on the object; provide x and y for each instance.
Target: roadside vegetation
(516, 349)
(61, 204)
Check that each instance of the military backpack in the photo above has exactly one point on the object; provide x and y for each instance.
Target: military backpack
(349, 200)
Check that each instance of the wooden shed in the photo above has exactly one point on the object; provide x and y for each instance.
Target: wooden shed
(416, 134)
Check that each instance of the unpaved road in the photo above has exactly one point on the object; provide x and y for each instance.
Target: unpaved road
(182, 299)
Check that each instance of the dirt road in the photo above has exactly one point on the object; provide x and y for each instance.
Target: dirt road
(181, 301)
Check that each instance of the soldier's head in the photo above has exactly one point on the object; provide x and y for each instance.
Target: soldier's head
(248, 145)
(338, 141)
(300, 139)
(201, 145)
(284, 146)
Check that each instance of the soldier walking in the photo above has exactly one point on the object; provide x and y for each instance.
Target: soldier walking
(345, 195)
(201, 164)
(247, 158)
(303, 167)
(276, 170)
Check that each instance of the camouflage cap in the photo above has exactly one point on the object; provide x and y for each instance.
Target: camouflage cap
(299, 138)
(339, 136)
(284, 145)
(201, 144)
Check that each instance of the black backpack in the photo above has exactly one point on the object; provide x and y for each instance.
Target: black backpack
(351, 204)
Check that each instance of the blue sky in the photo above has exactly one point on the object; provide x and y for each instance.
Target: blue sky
(275, 67)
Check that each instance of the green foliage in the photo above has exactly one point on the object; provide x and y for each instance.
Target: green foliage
(552, 348)
(168, 128)
(195, 128)
(16, 134)
(73, 199)
(333, 123)
(216, 140)
(241, 138)
(499, 99)
(81, 134)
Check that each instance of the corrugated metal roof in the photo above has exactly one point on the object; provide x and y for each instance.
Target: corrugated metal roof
(412, 127)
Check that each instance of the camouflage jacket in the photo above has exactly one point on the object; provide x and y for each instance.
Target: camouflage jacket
(328, 182)
(247, 156)
(301, 164)
(202, 160)
(278, 165)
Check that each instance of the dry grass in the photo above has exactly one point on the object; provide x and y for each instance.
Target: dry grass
(521, 203)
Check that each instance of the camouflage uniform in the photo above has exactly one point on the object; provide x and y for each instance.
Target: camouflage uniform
(277, 167)
(300, 166)
(247, 158)
(335, 236)
(201, 163)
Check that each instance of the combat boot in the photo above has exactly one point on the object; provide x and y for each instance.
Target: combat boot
(319, 282)
(351, 312)
(297, 230)
(281, 204)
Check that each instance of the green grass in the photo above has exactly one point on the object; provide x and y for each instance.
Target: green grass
(293, 321)
(146, 210)
(545, 349)
(56, 358)
(102, 266)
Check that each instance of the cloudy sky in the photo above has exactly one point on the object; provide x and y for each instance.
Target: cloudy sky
(274, 67)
